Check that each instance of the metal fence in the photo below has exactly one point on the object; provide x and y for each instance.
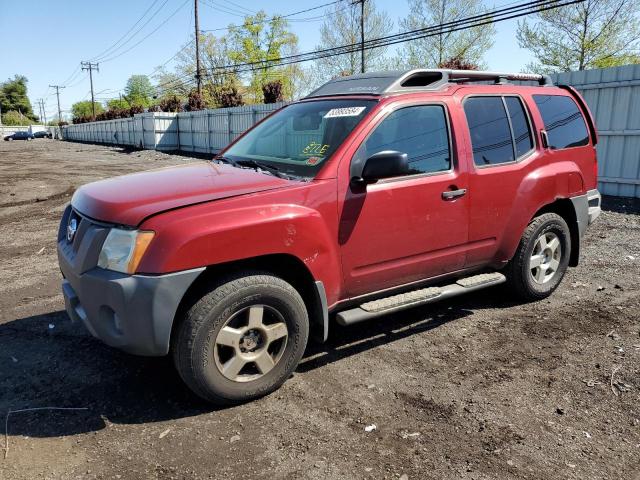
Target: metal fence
(613, 95)
(203, 131)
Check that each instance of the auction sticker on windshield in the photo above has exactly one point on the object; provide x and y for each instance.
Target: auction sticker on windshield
(344, 112)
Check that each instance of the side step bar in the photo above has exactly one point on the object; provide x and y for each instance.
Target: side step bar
(402, 301)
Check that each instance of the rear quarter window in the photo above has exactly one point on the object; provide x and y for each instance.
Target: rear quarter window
(563, 121)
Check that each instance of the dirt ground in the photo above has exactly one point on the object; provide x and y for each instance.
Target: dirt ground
(477, 388)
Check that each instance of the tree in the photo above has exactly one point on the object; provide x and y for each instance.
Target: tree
(195, 102)
(342, 27)
(139, 91)
(170, 104)
(468, 45)
(230, 97)
(272, 91)
(458, 64)
(261, 42)
(13, 96)
(591, 34)
(172, 85)
(216, 74)
(118, 104)
(83, 109)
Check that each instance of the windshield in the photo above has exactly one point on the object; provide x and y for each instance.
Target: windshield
(300, 138)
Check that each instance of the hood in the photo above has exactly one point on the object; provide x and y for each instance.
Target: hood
(129, 199)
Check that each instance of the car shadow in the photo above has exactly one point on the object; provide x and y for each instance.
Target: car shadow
(625, 205)
(46, 361)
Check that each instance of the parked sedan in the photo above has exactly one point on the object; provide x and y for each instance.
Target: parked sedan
(42, 134)
(19, 136)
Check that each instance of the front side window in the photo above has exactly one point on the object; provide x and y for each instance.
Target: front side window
(300, 138)
(419, 131)
(563, 121)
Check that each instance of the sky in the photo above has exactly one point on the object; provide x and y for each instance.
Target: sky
(47, 41)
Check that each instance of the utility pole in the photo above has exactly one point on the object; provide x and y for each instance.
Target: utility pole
(58, 87)
(197, 23)
(91, 67)
(361, 2)
(44, 110)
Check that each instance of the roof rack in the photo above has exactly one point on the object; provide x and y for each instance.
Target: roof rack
(382, 83)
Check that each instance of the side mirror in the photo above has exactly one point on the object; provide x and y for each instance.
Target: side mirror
(385, 164)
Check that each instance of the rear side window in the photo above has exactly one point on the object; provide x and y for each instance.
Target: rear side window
(563, 121)
(419, 131)
(520, 125)
(499, 128)
(489, 128)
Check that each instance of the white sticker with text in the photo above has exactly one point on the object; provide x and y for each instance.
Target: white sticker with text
(344, 112)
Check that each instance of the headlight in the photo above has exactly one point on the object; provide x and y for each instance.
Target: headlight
(123, 249)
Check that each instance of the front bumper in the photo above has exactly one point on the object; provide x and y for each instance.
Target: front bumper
(134, 313)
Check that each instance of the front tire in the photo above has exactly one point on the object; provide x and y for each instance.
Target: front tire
(242, 339)
(541, 259)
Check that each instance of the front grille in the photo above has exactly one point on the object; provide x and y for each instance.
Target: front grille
(73, 223)
(82, 248)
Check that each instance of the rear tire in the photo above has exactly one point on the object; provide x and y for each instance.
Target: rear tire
(541, 259)
(242, 339)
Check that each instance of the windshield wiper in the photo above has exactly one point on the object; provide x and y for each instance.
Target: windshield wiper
(254, 164)
(273, 170)
(230, 161)
(249, 163)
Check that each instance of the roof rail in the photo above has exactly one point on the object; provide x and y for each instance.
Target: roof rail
(381, 83)
(480, 75)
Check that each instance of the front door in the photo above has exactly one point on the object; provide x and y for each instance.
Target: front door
(408, 228)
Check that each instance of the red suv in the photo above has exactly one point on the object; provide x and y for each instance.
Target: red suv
(376, 193)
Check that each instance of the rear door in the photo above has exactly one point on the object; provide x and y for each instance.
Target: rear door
(406, 228)
(502, 153)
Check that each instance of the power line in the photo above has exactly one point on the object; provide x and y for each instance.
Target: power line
(488, 17)
(78, 82)
(267, 20)
(110, 51)
(148, 35)
(495, 16)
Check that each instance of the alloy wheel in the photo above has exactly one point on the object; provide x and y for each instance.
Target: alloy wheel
(545, 258)
(250, 343)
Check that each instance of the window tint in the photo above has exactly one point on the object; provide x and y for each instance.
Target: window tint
(563, 121)
(489, 128)
(420, 132)
(300, 138)
(520, 125)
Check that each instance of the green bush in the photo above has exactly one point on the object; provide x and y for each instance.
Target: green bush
(14, 118)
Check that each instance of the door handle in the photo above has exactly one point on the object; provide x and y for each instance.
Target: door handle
(453, 194)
